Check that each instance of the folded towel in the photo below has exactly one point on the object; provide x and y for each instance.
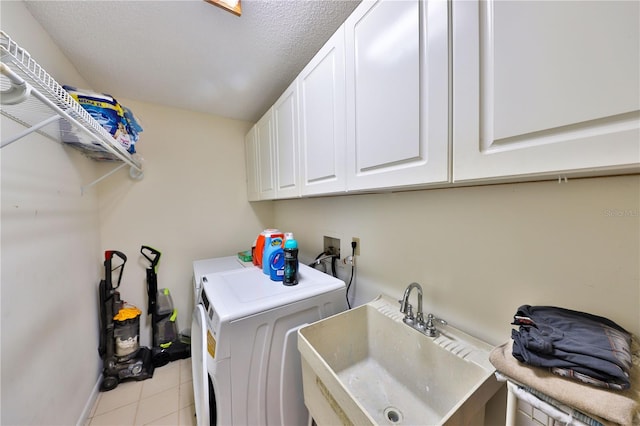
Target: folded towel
(620, 407)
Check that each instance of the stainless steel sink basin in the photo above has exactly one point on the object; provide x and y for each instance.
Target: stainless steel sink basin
(365, 366)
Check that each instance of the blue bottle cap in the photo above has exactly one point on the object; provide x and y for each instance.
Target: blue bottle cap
(290, 244)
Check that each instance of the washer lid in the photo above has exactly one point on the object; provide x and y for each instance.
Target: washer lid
(239, 293)
(217, 264)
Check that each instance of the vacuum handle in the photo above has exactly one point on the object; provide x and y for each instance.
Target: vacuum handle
(153, 256)
(109, 269)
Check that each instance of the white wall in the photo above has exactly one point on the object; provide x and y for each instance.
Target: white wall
(50, 261)
(192, 203)
(480, 252)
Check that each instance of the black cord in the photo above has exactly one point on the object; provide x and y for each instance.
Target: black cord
(353, 267)
(334, 259)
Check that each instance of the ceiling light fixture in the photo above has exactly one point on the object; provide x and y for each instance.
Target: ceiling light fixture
(232, 6)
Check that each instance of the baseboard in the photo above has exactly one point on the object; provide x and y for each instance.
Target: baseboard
(93, 396)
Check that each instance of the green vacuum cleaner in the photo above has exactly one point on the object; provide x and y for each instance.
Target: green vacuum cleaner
(168, 345)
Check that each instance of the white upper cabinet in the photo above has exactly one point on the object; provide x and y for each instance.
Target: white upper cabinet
(285, 124)
(545, 88)
(397, 94)
(251, 158)
(416, 93)
(323, 120)
(264, 143)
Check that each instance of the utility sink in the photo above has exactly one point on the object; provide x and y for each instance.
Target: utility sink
(365, 366)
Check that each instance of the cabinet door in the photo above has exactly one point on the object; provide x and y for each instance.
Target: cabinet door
(322, 120)
(285, 120)
(397, 94)
(264, 142)
(251, 160)
(543, 88)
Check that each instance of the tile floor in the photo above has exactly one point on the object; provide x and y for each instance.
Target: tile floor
(165, 399)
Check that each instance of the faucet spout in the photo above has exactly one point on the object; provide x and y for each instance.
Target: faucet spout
(404, 303)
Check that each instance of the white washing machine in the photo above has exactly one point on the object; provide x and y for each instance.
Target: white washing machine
(209, 266)
(246, 365)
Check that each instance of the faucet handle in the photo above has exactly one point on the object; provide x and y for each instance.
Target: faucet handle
(431, 318)
(430, 328)
(420, 323)
(408, 315)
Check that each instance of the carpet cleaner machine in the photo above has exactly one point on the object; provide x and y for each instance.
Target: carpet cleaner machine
(122, 356)
(168, 345)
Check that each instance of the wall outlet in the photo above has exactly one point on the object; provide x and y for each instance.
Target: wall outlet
(357, 241)
(331, 245)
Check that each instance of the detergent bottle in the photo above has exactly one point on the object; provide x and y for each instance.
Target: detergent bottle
(290, 262)
(258, 252)
(276, 264)
(272, 242)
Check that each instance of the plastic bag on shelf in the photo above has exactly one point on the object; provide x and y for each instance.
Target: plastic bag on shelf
(116, 119)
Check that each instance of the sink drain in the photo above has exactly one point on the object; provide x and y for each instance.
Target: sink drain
(393, 414)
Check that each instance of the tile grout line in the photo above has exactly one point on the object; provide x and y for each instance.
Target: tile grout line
(135, 417)
(177, 389)
(113, 410)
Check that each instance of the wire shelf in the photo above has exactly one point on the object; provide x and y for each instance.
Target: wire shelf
(47, 107)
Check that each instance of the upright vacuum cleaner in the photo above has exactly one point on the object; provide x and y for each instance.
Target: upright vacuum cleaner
(167, 345)
(122, 356)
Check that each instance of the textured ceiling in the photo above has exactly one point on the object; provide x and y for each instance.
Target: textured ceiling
(190, 54)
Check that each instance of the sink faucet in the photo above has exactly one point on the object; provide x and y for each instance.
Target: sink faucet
(407, 310)
(418, 322)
